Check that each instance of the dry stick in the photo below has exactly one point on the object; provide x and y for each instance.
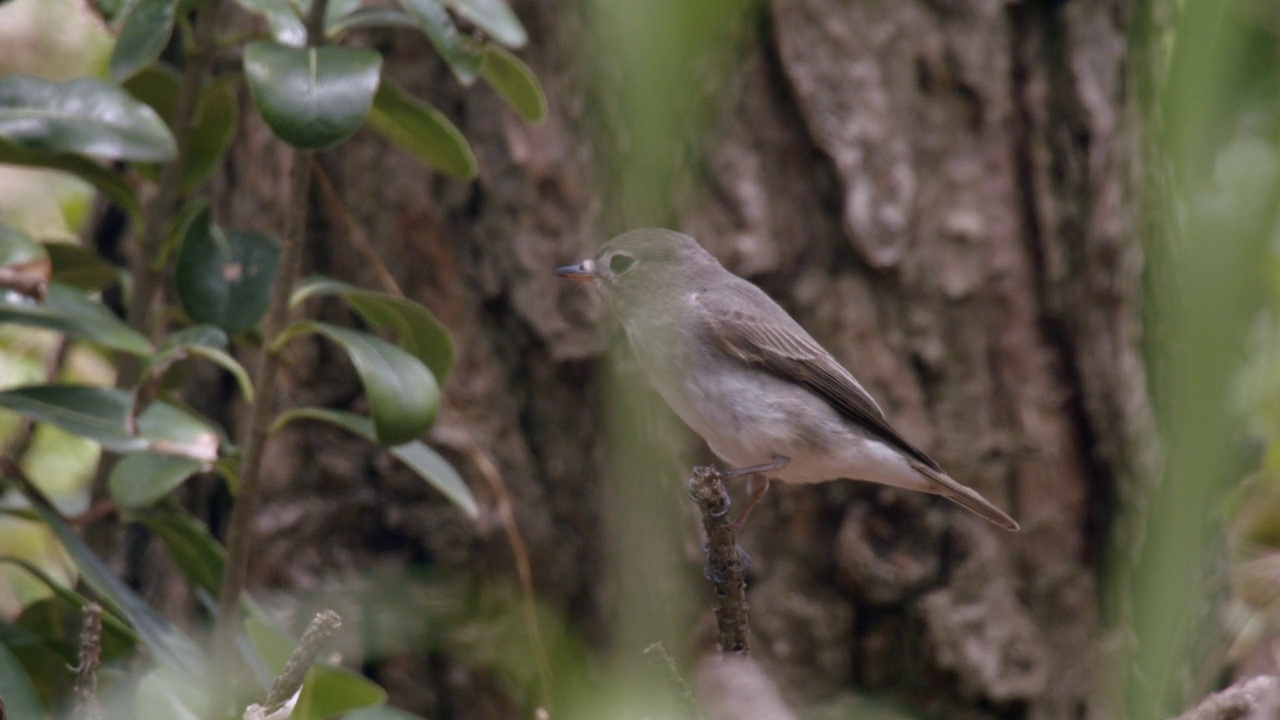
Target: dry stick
(240, 524)
(287, 684)
(477, 455)
(726, 563)
(86, 689)
(355, 232)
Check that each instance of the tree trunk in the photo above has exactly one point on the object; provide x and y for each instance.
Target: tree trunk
(939, 192)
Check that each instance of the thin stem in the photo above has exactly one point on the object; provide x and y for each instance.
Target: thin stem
(240, 525)
(146, 280)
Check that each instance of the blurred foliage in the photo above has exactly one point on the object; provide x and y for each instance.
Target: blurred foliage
(111, 97)
(1214, 182)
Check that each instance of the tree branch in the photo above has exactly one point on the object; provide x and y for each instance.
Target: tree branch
(726, 562)
(240, 525)
(1253, 699)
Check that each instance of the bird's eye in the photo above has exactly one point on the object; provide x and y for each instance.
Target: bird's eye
(619, 264)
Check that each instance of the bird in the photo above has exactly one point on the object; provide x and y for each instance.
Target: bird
(736, 368)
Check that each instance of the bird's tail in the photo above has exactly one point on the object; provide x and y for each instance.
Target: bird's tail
(967, 498)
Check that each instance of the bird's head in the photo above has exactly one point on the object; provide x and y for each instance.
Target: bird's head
(642, 266)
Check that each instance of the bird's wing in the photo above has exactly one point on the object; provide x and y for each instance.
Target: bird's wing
(786, 350)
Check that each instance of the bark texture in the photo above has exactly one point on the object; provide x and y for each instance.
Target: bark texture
(938, 190)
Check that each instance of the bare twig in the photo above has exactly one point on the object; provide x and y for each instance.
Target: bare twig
(726, 562)
(287, 684)
(339, 206)
(86, 689)
(1238, 702)
(519, 551)
(239, 525)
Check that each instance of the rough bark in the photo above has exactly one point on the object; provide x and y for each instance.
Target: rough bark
(938, 191)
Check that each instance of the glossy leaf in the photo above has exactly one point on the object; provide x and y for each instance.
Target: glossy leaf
(143, 35)
(463, 54)
(423, 131)
(200, 341)
(79, 267)
(81, 116)
(143, 478)
(403, 395)
(368, 17)
(312, 97)
(168, 643)
(70, 312)
(415, 328)
(20, 698)
(94, 413)
(494, 18)
(101, 414)
(426, 462)
(24, 263)
(225, 278)
(109, 182)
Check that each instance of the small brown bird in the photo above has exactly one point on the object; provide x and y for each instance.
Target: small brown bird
(766, 397)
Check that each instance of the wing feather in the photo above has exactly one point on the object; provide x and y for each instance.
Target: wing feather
(785, 349)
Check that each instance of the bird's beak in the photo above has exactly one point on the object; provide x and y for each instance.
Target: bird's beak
(582, 272)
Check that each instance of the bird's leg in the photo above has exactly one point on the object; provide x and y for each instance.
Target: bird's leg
(758, 485)
(777, 463)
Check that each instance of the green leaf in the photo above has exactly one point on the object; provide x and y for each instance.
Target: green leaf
(20, 698)
(96, 413)
(145, 32)
(415, 328)
(17, 248)
(403, 395)
(225, 278)
(101, 414)
(382, 712)
(81, 268)
(515, 82)
(423, 131)
(191, 546)
(330, 690)
(463, 54)
(81, 116)
(494, 18)
(427, 463)
(115, 631)
(213, 128)
(71, 312)
(368, 17)
(24, 263)
(312, 97)
(109, 182)
(171, 430)
(169, 644)
(202, 341)
(143, 478)
(286, 25)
